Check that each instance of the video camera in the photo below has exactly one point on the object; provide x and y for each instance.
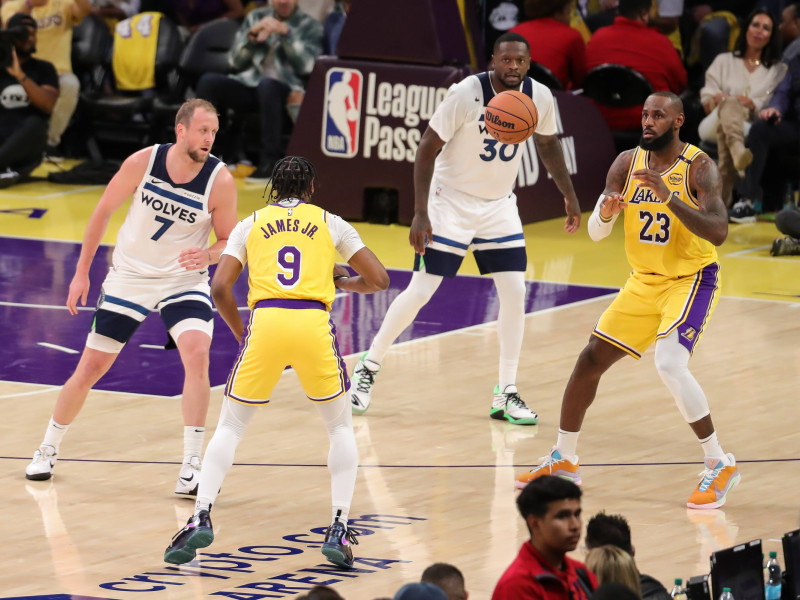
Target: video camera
(7, 39)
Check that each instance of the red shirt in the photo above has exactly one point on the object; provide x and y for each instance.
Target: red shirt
(531, 577)
(558, 47)
(633, 44)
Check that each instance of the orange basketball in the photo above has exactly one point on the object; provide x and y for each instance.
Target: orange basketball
(511, 117)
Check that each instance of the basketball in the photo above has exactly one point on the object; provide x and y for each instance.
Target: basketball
(511, 117)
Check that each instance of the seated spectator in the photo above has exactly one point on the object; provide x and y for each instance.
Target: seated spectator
(192, 14)
(738, 85)
(332, 28)
(776, 131)
(788, 223)
(420, 591)
(55, 19)
(447, 577)
(597, 14)
(28, 93)
(614, 530)
(655, 58)
(551, 508)
(790, 31)
(553, 42)
(273, 53)
(613, 565)
(614, 591)
(320, 592)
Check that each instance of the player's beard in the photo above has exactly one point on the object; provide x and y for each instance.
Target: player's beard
(658, 143)
(197, 157)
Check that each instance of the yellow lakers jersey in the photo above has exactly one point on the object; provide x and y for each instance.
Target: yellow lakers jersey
(135, 46)
(656, 241)
(290, 254)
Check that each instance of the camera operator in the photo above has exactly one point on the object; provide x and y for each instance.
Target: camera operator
(28, 93)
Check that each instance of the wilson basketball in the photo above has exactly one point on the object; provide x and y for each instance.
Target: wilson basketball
(511, 117)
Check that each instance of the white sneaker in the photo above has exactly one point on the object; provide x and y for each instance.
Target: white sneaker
(189, 477)
(362, 382)
(41, 467)
(509, 406)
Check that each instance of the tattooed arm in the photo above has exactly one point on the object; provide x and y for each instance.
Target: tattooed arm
(710, 220)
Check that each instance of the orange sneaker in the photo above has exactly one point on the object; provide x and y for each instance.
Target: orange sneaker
(717, 480)
(552, 464)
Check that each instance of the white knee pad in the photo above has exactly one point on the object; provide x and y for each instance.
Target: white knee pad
(672, 363)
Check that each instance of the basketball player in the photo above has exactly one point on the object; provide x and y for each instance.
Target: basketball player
(674, 218)
(180, 193)
(463, 181)
(289, 247)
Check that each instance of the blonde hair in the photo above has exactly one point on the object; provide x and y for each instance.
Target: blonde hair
(186, 111)
(611, 563)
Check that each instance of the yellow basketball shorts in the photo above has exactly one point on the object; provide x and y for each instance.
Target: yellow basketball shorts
(652, 306)
(288, 333)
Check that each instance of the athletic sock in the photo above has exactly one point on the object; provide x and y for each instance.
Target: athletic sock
(54, 434)
(193, 441)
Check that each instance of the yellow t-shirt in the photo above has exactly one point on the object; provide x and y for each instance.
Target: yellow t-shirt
(54, 37)
(656, 241)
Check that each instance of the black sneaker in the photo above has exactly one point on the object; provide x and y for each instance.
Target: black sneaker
(9, 178)
(196, 534)
(785, 246)
(336, 547)
(742, 212)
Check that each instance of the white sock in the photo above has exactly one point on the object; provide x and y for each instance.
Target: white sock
(713, 449)
(201, 505)
(567, 444)
(54, 434)
(510, 287)
(341, 512)
(193, 437)
(401, 313)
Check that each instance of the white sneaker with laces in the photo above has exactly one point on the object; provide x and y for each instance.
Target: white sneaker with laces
(41, 467)
(362, 381)
(509, 406)
(189, 477)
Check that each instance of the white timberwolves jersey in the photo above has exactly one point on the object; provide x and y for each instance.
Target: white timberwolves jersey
(472, 161)
(165, 218)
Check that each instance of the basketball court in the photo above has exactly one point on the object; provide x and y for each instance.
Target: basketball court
(436, 476)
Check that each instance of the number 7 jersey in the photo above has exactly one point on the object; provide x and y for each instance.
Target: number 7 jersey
(656, 241)
(165, 218)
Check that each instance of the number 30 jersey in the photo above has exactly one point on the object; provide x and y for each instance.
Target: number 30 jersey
(165, 218)
(290, 249)
(656, 241)
(472, 161)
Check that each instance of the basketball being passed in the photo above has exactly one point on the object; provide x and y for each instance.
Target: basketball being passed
(511, 117)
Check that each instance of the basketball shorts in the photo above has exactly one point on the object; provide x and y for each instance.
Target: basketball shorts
(288, 333)
(184, 304)
(651, 306)
(492, 228)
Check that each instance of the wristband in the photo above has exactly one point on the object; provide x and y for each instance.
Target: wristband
(337, 277)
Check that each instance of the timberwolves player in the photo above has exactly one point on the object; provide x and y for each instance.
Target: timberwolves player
(674, 218)
(463, 181)
(290, 248)
(180, 194)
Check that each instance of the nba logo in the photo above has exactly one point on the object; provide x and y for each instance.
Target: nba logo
(341, 112)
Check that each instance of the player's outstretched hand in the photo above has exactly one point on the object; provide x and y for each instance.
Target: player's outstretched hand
(193, 259)
(421, 232)
(650, 179)
(573, 222)
(78, 288)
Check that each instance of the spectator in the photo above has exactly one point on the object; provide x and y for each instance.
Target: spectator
(116, 10)
(790, 31)
(447, 577)
(55, 19)
(655, 58)
(332, 28)
(320, 592)
(738, 84)
(776, 131)
(614, 591)
(551, 507)
(420, 591)
(788, 223)
(274, 53)
(613, 565)
(553, 42)
(604, 529)
(28, 93)
(192, 14)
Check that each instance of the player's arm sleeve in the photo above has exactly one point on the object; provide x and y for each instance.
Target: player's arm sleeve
(344, 236)
(237, 241)
(451, 114)
(599, 227)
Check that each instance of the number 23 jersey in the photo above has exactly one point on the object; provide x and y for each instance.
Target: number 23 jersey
(472, 161)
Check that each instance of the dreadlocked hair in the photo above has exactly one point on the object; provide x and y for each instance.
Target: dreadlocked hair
(293, 177)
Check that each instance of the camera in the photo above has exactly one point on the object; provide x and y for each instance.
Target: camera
(7, 39)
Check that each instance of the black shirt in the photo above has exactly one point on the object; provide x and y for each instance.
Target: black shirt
(14, 101)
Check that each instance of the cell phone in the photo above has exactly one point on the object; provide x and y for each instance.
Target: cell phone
(773, 119)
